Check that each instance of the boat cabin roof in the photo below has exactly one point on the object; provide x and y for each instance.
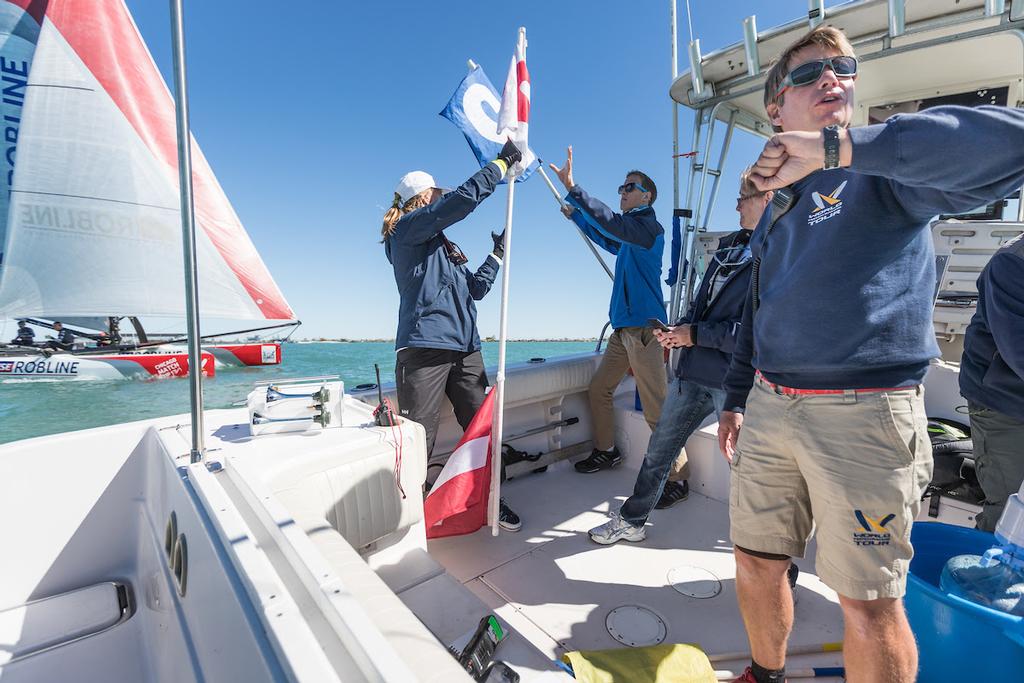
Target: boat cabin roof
(948, 52)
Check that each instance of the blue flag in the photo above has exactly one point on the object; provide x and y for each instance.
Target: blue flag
(473, 108)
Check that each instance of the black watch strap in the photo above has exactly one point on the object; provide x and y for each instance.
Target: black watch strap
(831, 134)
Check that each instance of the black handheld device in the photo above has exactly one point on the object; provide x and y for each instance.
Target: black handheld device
(658, 325)
(382, 414)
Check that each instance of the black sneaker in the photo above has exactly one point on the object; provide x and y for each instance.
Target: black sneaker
(599, 460)
(674, 492)
(508, 520)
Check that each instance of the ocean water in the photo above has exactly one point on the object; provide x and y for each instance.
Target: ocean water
(37, 407)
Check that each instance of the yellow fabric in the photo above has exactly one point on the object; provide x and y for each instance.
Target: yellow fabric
(667, 663)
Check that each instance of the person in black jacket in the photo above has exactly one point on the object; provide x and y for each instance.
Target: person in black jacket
(64, 341)
(437, 342)
(992, 380)
(26, 335)
(706, 335)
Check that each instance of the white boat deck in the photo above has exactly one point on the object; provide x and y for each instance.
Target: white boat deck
(556, 587)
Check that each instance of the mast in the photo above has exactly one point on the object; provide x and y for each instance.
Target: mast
(188, 232)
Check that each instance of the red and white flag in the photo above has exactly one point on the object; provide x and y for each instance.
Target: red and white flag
(457, 503)
(514, 115)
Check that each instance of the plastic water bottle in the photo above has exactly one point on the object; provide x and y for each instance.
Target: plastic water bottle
(986, 581)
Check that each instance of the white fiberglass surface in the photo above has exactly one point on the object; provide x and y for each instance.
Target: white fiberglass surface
(556, 586)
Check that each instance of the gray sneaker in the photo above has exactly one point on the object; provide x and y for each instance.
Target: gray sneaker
(617, 529)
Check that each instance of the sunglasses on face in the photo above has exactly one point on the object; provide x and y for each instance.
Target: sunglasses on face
(809, 72)
(629, 187)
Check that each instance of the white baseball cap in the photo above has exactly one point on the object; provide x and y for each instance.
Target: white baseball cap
(413, 183)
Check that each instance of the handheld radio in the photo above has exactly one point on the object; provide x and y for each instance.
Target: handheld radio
(382, 414)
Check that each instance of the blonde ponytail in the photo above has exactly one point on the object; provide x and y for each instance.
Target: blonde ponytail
(397, 210)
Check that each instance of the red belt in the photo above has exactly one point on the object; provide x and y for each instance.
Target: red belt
(790, 391)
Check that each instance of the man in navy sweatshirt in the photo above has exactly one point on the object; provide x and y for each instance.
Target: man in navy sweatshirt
(837, 327)
(992, 380)
(637, 240)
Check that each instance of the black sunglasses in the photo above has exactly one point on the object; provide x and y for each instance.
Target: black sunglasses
(809, 72)
(629, 187)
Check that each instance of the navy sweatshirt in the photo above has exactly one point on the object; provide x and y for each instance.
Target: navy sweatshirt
(992, 371)
(717, 322)
(847, 276)
(437, 309)
(638, 242)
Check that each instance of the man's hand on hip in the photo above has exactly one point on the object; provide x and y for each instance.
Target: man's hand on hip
(729, 424)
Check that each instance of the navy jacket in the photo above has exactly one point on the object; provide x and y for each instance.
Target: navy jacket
(992, 371)
(847, 277)
(718, 322)
(638, 242)
(437, 309)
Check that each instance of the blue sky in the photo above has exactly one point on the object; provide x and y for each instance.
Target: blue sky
(310, 112)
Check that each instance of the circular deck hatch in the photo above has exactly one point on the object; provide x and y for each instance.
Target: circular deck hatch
(695, 582)
(635, 626)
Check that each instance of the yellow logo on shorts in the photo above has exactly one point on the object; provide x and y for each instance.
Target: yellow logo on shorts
(872, 531)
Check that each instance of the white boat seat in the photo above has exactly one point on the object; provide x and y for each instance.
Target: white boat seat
(416, 645)
(60, 619)
(357, 496)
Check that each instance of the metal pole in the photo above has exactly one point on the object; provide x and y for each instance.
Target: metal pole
(499, 382)
(675, 107)
(718, 171)
(188, 232)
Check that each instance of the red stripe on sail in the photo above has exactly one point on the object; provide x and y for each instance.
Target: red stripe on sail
(35, 8)
(105, 38)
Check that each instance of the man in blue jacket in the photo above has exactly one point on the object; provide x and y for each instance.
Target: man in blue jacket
(26, 335)
(706, 336)
(838, 327)
(638, 241)
(992, 380)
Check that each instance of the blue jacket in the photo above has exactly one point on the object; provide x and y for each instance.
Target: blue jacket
(717, 322)
(638, 242)
(847, 277)
(437, 309)
(992, 371)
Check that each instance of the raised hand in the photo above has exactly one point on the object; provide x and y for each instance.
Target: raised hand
(565, 173)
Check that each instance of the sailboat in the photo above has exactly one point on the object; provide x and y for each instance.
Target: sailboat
(186, 549)
(89, 221)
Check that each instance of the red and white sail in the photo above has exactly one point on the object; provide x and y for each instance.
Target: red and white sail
(92, 225)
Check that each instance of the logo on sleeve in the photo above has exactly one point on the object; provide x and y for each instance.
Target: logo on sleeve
(872, 531)
(826, 205)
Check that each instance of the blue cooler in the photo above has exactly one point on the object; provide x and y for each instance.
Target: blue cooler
(957, 639)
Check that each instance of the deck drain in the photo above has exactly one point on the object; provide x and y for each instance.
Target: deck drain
(635, 626)
(695, 582)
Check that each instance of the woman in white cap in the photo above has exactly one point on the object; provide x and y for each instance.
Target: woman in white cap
(437, 341)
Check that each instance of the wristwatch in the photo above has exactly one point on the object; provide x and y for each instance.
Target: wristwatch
(831, 134)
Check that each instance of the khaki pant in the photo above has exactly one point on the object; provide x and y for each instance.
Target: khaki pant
(851, 467)
(628, 347)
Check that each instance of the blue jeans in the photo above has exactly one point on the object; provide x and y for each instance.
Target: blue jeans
(685, 407)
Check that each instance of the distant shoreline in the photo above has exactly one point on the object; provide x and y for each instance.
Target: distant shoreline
(326, 340)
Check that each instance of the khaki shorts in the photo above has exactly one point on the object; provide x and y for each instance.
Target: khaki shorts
(853, 466)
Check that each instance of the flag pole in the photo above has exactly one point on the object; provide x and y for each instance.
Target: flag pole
(499, 382)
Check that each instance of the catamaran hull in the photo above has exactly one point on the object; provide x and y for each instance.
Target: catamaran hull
(106, 367)
(236, 355)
